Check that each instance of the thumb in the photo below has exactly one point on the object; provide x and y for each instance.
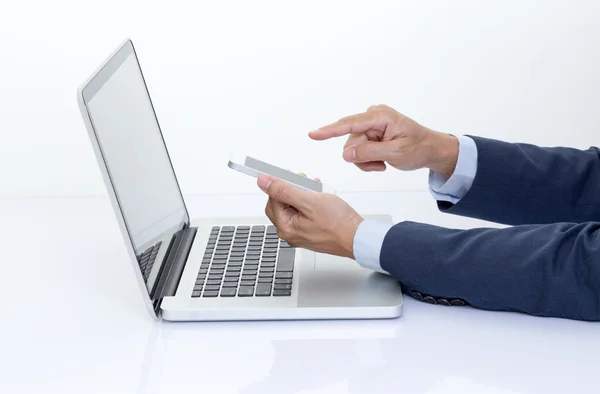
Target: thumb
(283, 192)
(372, 151)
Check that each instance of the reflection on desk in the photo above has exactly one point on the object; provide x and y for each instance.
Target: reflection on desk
(73, 322)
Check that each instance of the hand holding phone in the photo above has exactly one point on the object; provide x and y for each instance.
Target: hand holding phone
(254, 167)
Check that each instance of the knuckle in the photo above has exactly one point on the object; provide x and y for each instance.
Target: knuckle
(364, 151)
(279, 193)
(378, 108)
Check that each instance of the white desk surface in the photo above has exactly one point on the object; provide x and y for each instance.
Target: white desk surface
(73, 322)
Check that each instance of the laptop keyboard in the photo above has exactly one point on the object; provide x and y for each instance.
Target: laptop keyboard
(245, 261)
(146, 260)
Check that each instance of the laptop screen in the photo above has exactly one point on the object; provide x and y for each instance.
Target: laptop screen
(134, 152)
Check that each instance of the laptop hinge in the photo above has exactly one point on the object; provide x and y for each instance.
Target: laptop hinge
(172, 269)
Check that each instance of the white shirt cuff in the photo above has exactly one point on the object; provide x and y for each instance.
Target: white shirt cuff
(368, 242)
(455, 188)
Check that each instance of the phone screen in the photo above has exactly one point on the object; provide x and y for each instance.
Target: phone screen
(285, 175)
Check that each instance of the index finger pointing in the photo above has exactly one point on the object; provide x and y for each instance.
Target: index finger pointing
(358, 123)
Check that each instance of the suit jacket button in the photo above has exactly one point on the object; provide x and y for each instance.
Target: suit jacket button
(429, 300)
(443, 301)
(417, 296)
(458, 302)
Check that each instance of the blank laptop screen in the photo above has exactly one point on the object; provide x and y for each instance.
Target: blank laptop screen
(134, 151)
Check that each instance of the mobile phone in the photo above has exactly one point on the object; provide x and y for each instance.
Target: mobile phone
(254, 167)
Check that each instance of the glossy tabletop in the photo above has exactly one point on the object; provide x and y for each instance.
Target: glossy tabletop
(73, 322)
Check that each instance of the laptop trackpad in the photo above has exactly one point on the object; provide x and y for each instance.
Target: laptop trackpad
(341, 282)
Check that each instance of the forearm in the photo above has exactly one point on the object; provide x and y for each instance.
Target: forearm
(520, 183)
(545, 270)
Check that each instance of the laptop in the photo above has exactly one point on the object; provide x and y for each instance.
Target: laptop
(207, 269)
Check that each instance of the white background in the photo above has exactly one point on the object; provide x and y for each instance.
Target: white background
(256, 76)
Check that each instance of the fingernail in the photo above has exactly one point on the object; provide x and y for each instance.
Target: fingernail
(264, 182)
(350, 154)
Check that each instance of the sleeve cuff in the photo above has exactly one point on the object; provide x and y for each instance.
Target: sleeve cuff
(457, 186)
(368, 242)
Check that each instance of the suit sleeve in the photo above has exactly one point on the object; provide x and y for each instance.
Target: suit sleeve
(525, 184)
(543, 270)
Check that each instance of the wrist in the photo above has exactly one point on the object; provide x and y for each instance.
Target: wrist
(443, 153)
(347, 241)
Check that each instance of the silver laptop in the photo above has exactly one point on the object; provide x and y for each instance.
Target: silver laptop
(207, 268)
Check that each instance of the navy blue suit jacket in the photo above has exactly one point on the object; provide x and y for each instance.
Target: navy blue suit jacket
(546, 264)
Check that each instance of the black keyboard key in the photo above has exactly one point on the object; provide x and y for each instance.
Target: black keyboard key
(236, 264)
(247, 283)
(267, 264)
(237, 254)
(285, 260)
(196, 294)
(213, 282)
(248, 277)
(249, 272)
(246, 291)
(245, 228)
(198, 288)
(216, 228)
(263, 290)
(271, 230)
(279, 293)
(202, 271)
(230, 279)
(282, 287)
(236, 259)
(231, 268)
(265, 280)
(265, 275)
(227, 228)
(258, 227)
(284, 275)
(222, 252)
(283, 281)
(215, 277)
(252, 258)
(267, 269)
(232, 275)
(228, 292)
(211, 293)
(212, 287)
